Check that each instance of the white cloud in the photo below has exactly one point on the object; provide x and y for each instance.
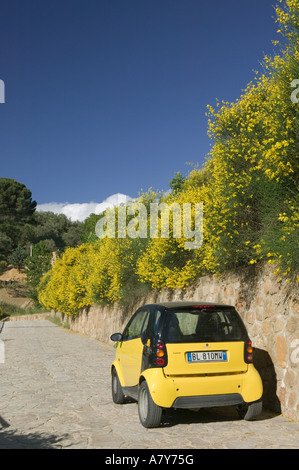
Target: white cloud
(80, 211)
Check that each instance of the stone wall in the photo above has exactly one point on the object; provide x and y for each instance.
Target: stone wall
(30, 316)
(270, 310)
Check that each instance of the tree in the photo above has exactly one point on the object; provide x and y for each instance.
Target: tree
(16, 214)
(88, 228)
(17, 258)
(36, 266)
(56, 230)
(177, 182)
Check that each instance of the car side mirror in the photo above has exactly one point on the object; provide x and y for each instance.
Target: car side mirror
(116, 337)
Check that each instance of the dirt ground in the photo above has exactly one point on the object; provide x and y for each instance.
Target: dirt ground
(12, 283)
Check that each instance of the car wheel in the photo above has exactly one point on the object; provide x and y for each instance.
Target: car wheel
(117, 392)
(250, 411)
(149, 413)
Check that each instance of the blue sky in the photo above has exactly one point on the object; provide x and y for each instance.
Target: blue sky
(109, 96)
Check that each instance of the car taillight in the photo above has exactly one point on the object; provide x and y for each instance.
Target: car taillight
(160, 354)
(248, 352)
(160, 362)
(203, 306)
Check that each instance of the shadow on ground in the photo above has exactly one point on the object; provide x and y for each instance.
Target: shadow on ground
(11, 439)
(264, 365)
(174, 417)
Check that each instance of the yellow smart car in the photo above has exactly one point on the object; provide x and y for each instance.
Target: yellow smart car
(185, 355)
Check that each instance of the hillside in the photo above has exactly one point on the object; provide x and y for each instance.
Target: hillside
(12, 288)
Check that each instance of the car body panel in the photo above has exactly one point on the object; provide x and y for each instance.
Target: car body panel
(166, 389)
(252, 386)
(178, 364)
(115, 365)
(181, 383)
(162, 388)
(129, 359)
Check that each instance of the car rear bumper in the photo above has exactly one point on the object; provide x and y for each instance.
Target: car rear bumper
(203, 391)
(208, 401)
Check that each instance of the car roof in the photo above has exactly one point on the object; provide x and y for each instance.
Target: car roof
(183, 304)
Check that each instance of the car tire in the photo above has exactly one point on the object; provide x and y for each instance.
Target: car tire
(149, 413)
(118, 396)
(250, 411)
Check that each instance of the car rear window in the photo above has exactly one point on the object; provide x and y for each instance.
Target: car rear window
(204, 325)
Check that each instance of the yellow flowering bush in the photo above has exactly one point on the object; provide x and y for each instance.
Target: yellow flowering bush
(248, 188)
(102, 272)
(64, 287)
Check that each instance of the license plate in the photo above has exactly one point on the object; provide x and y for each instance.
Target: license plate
(207, 356)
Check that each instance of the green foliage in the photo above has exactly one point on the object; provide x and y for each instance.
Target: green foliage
(2, 266)
(55, 319)
(17, 258)
(16, 204)
(56, 230)
(177, 182)
(88, 228)
(58, 321)
(7, 310)
(16, 215)
(36, 266)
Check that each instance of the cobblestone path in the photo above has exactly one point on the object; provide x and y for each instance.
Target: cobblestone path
(55, 393)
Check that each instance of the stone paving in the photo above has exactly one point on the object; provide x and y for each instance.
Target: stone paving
(55, 393)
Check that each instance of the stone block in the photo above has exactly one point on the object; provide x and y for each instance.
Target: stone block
(282, 395)
(294, 305)
(279, 325)
(260, 313)
(250, 317)
(266, 327)
(266, 286)
(292, 400)
(290, 378)
(293, 324)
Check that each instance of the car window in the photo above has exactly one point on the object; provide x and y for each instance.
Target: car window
(157, 318)
(137, 325)
(205, 325)
(145, 323)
